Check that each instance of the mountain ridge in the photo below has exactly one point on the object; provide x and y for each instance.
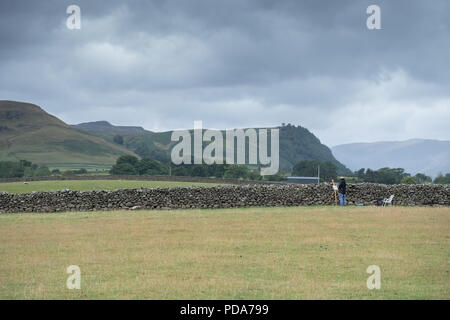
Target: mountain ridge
(428, 156)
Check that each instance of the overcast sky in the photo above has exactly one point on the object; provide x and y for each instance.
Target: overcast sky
(235, 63)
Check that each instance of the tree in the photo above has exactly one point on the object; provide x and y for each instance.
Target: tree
(22, 168)
(131, 165)
(132, 160)
(123, 168)
(360, 174)
(328, 171)
(118, 139)
(309, 168)
(254, 175)
(447, 176)
(422, 178)
(42, 171)
(150, 167)
(441, 179)
(216, 170)
(384, 175)
(390, 176)
(199, 171)
(408, 180)
(10, 169)
(25, 163)
(306, 168)
(236, 171)
(180, 171)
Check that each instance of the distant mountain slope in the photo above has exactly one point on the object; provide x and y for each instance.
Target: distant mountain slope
(416, 155)
(296, 143)
(107, 130)
(28, 132)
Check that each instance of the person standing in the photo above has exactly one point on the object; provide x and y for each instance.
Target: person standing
(342, 190)
(335, 191)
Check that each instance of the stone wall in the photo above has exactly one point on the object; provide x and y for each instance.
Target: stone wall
(220, 197)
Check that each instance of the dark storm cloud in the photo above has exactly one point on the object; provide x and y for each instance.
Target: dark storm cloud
(164, 64)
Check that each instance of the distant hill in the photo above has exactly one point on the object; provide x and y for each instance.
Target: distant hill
(144, 143)
(27, 132)
(416, 155)
(108, 130)
(296, 143)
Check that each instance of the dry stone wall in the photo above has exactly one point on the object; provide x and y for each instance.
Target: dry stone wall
(221, 197)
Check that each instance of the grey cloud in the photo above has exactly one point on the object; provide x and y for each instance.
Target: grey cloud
(233, 64)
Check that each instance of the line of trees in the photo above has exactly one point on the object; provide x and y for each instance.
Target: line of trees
(396, 176)
(309, 168)
(22, 168)
(386, 175)
(441, 179)
(130, 165)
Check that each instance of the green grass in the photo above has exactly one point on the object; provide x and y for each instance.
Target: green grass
(253, 253)
(20, 187)
(75, 166)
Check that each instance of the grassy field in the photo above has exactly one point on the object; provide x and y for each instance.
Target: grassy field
(92, 168)
(20, 187)
(253, 253)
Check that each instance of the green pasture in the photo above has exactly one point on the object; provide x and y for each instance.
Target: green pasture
(85, 185)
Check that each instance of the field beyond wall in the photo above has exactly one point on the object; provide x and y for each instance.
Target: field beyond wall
(88, 185)
(251, 253)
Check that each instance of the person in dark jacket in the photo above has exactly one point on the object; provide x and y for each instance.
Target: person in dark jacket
(342, 190)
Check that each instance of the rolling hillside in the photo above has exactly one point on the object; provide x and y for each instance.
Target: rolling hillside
(296, 143)
(416, 155)
(28, 132)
